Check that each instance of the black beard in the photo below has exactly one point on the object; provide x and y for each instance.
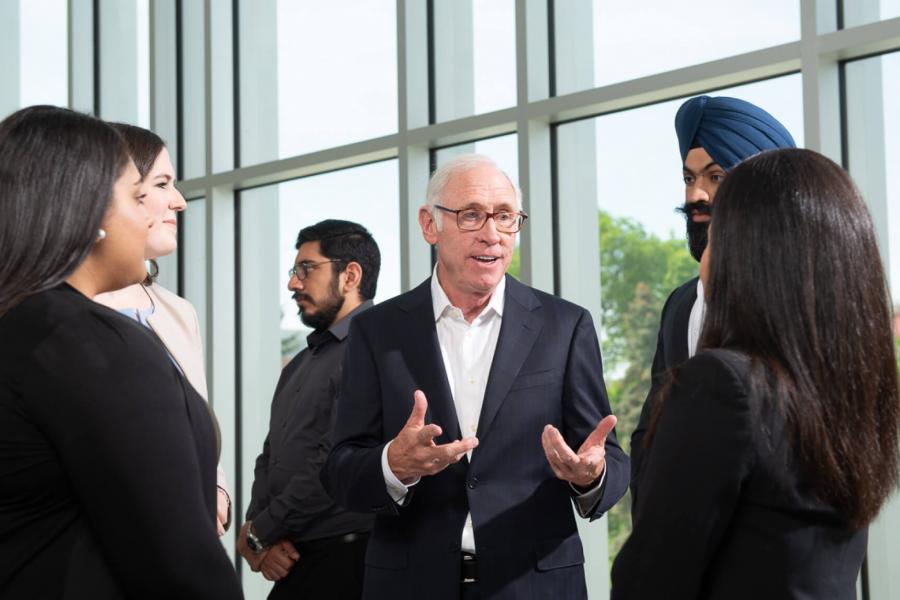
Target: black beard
(328, 311)
(698, 236)
(697, 233)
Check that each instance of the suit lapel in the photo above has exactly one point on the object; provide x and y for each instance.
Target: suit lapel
(522, 323)
(423, 354)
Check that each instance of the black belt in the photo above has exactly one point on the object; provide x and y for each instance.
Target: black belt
(469, 568)
(347, 538)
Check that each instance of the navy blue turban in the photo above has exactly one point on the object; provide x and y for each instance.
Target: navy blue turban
(729, 129)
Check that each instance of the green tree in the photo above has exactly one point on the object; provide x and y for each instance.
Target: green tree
(638, 270)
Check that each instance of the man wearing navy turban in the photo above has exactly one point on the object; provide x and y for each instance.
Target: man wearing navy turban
(714, 135)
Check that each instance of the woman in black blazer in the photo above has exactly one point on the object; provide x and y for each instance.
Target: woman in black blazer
(772, 450)
(107, 459)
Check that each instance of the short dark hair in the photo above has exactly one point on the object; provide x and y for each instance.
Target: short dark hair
(348, 242)
(144, 146)
(796, 283)
(57, 171)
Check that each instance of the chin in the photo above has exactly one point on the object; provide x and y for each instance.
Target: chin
(160, 250)
(486, 284)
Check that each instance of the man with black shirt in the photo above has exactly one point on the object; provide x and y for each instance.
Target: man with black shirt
(295, 534)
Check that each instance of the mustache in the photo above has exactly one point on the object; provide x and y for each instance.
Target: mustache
(691, 208)
(298, 296)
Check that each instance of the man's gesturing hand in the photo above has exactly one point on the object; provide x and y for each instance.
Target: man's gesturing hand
(585, 467)
(414, 454)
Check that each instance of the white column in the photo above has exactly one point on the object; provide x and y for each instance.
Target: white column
(260, 333)
(414, 161)
(821, 84)
(578, 235)
(219, 86)
(9, 57)
(258, 62)
(119, 64)
(163, 103)
(193, 88)
(535, 159)
(220, 319)
(81, 55)
(454, 59)
(866, 162)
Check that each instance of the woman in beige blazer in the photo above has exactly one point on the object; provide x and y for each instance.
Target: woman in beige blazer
(171, 317)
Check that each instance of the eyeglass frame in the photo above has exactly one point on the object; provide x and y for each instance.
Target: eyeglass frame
(307, 265)
(487, 215)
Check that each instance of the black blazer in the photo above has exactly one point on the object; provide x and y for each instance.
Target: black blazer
(671, 351)
(546, 369)
(108, 461)
(724, 511)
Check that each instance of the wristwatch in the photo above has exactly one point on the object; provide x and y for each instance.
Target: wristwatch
(253, 542)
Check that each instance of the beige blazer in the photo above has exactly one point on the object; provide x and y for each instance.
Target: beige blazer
(175, 322)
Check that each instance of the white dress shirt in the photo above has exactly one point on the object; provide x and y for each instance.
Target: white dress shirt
(695, 322)
(468, 350)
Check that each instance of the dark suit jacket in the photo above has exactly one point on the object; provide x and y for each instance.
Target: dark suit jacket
(671, 351)
(108, 461)
(546, 369)
(725, 512)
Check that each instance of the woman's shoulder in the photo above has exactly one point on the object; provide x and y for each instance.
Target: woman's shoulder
(720, 366)
(715, 382)
(62, 325)
(61, 307)
(170, 301)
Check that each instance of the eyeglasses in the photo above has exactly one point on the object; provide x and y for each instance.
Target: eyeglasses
(302, 269)
(473, 219)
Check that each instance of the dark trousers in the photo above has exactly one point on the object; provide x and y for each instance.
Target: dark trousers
(331, 569)
(469, 591)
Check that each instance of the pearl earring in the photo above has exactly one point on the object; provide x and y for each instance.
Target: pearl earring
(101, 235)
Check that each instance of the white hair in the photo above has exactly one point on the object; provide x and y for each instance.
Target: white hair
(455, 166)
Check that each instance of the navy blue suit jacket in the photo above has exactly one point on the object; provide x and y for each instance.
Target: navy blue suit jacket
(546, 369)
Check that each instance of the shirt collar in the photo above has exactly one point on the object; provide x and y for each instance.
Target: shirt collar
(337, 330)
(440, 302)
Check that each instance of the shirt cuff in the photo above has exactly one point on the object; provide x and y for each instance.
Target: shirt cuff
(266, 529)
(396, 488)
(586, 502)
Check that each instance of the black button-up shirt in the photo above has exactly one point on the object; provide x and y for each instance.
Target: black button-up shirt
(288, 500)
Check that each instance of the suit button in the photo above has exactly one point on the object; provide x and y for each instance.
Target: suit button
(473, 482)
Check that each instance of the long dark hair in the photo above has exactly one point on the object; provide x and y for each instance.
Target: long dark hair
(796, 283)
(57, 171)
(144, 147)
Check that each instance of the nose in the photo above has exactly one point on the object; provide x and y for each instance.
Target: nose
(178, 203)
(488, 233)
(696, 193)
(294, 284)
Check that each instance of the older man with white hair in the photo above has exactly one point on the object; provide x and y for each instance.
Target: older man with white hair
(473, 413)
